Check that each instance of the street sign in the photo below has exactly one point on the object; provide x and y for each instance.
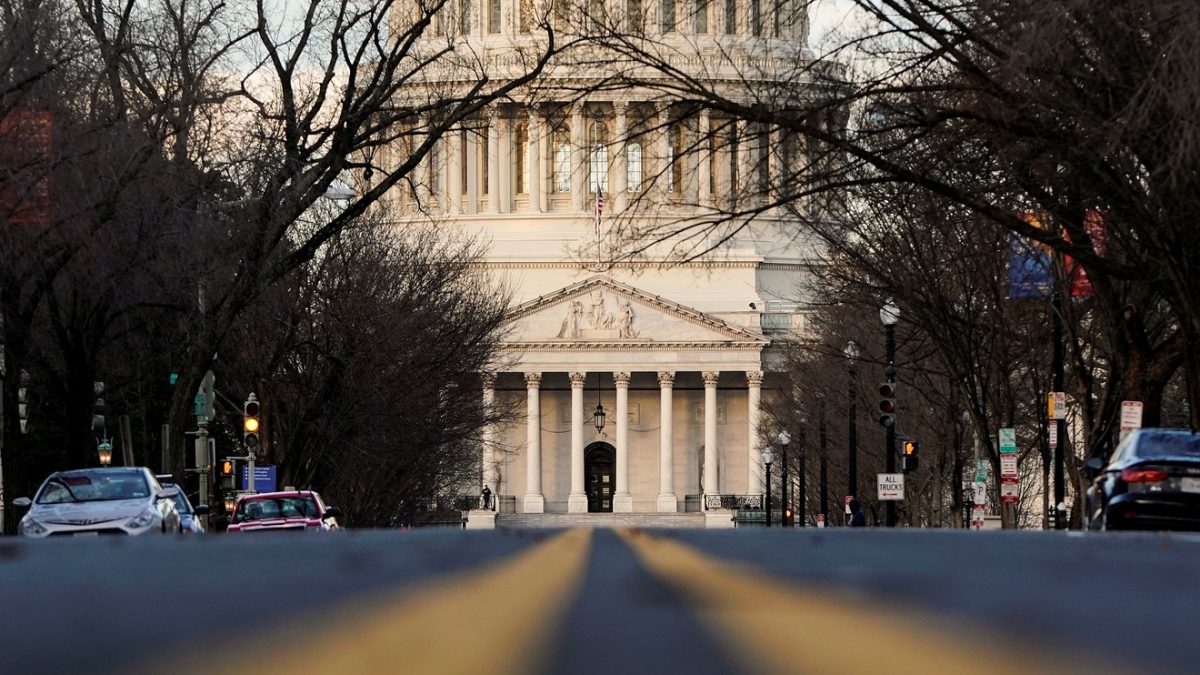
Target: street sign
(1058, 406)
(820, 520)
(1008, 466)
(1053, 434)
(981, 470)
(1131, 415)
(848, 498)
(264, 478)
(980, 494)
(891, 487)
(1008, 440)
(1008, 492)
(978, 516)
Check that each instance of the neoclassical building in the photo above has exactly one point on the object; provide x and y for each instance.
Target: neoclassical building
(676, 356)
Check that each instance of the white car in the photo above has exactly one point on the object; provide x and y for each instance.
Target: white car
(89, 502)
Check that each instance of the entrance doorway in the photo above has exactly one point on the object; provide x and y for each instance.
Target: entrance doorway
(598, 475)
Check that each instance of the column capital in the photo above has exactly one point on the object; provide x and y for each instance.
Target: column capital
(533, 380)
(488, 379)
(492, 113)
(666, 378)
(578, 380)
(754, 378)
(621, 379)
(620, 108)
(711, 377)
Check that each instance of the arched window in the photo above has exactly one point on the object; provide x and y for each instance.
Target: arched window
(520, 161)
(633, 159)
(562, 160)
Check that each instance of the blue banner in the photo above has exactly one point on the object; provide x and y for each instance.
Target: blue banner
(264, 478)
(1030, 269)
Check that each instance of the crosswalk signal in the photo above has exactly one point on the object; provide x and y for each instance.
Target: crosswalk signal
(910, 456)
(251, 423)
(226, 469)
(887, 404)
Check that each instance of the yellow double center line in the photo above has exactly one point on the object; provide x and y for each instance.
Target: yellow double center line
(494, 621)
(777, 627)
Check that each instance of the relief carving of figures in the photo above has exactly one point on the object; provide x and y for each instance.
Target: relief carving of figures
(599, 316)
(625, 323)
(570, 325)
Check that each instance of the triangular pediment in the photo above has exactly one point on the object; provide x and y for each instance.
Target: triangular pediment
(599, 310)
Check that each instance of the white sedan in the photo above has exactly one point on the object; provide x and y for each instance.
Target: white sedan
(89, 502)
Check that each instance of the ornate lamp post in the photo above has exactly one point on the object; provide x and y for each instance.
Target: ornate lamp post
(784, 438)
(767, 457)
(889, 315)
(852, 353)
(104, 449)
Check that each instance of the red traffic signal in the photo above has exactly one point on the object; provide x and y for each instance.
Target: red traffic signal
(887, 404)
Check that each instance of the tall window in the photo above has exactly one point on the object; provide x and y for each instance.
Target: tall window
(667, 15)
(493, 16)
(633, 15)
(756, 17)
(520, 161)
(597, 17)
(525, 23)
(562, 14)
(731, 17)
(700, 16)
(464, 17)
(562, 159)
(633, 174)
(598, 157)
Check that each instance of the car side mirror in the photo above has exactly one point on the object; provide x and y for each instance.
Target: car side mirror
(1093, 466)
(201, 510)
(22, 501)
(168, 493)
(333, 512)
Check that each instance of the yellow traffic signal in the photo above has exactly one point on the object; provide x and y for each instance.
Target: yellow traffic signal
(250, 424)
(227, 467)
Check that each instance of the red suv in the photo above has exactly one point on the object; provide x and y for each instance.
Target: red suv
(298, 510)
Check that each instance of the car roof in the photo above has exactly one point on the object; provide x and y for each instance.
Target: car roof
(271, 495)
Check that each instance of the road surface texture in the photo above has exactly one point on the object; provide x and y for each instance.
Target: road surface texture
(604, 601)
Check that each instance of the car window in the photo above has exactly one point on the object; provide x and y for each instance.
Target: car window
(1166, 443)
(181, 503)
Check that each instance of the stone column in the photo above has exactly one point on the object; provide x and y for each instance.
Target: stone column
(577, 501)
(620, 160)
(454, 186)
(746, 185)
(535, 169)
(664, 152)
(493, 161)
(754, 485)
(622, 500)
(579, 159)
(535, 502)
(667, 501)
(710, 487)
(704, 168)
(472, 196)
(425, 169)
(775, 166)
(508, 189)
(487, 456)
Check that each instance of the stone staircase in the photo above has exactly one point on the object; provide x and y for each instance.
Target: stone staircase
(608, 520)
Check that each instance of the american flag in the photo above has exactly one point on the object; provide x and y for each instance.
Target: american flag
(599, 208)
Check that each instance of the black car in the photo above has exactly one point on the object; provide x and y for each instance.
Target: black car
(1151, 482)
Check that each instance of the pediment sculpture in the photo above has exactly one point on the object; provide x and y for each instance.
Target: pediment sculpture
(597, 322)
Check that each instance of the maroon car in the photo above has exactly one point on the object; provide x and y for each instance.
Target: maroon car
(297, 510)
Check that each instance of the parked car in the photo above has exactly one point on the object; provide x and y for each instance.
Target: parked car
(298, 510)
(1151, 482)
(191, 519)
(89, 502)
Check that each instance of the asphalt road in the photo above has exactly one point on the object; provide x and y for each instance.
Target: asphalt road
(603, 601)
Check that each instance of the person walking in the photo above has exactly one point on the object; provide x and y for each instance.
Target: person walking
(857, 517)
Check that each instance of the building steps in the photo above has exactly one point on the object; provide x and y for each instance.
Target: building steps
(602, 520)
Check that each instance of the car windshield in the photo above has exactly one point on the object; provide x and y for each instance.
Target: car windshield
(1166, 444)
(275, 507)
(94, 486)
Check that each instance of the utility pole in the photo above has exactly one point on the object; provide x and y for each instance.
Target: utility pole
(824, 463)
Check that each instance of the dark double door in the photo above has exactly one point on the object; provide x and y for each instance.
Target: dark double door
(599, 476)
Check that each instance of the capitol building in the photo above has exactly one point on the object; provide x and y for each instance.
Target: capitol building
(637, 379)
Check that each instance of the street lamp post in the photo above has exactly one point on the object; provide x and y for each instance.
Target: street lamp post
(104, 449)
(889, 315)
(824, 471)
(784, 438)
(852, 353)
(767, 456)
(801, 473)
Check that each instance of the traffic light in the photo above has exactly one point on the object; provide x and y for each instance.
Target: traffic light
(227, 468)
(251, 424)
(910, 456)
(887, 404)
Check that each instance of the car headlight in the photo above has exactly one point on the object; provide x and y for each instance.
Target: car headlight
(144, 519)
(31, 526)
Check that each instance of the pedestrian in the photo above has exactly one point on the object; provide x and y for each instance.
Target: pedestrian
(857, 517)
